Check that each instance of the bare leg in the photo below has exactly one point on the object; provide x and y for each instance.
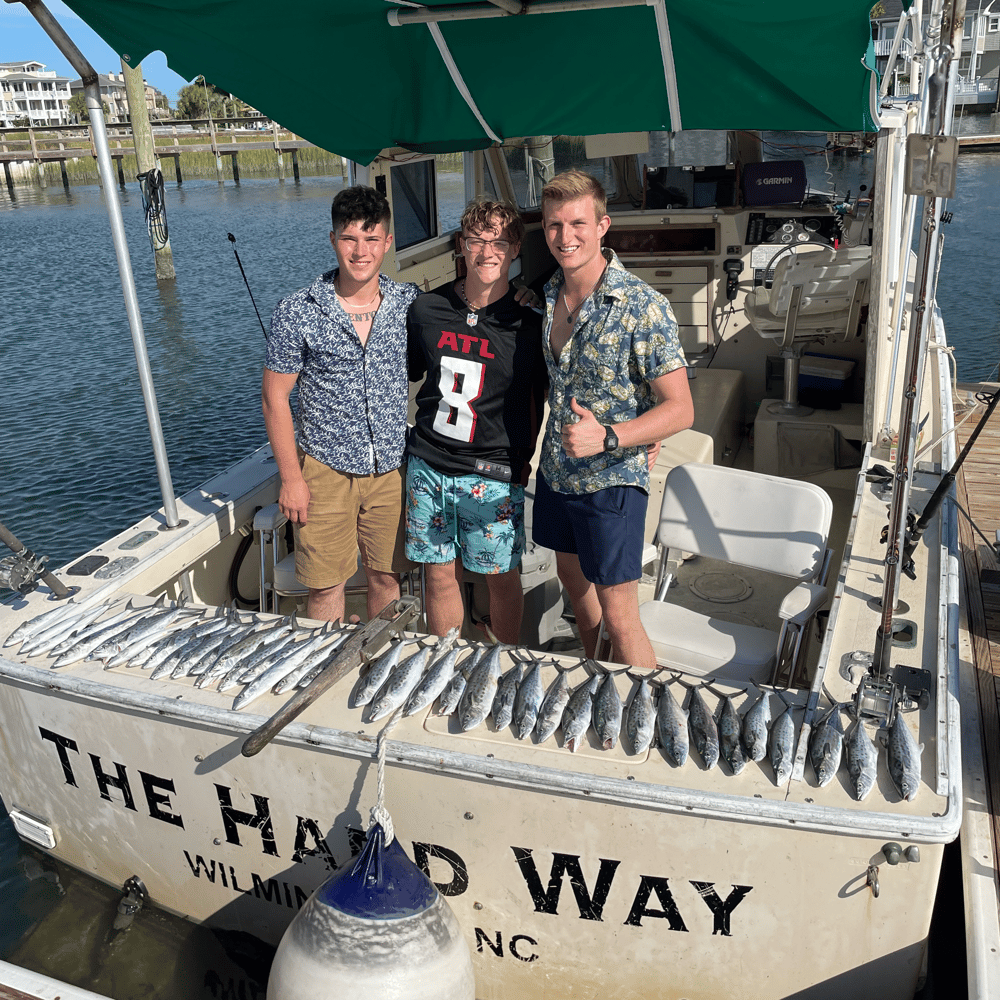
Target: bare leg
(506, 605)
(444, 604)
(629, 642)
(583, 598)
(382, 588)
(327, 604)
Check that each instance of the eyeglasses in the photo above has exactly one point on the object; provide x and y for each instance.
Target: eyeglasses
(475, 244)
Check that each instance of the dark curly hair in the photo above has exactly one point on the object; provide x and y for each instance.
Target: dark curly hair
(360, 204)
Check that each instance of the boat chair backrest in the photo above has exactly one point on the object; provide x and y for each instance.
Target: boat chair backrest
(815, 294)
(747, 519)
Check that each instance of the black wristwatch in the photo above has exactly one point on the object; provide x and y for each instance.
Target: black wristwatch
(610, 438)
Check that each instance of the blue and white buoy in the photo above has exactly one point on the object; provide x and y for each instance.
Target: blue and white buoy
(376, 928)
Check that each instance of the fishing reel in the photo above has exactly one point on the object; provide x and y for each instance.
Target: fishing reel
(22, 570)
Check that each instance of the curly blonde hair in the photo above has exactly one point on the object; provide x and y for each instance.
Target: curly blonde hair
(483, 213)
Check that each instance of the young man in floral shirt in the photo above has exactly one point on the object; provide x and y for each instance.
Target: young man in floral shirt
(343, 340)
(618, 387)
(476, 425)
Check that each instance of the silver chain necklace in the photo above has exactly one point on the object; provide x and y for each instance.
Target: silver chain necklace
(473, 318)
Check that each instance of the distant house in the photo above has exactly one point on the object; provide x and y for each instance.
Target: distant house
(29, 90)
(113, 94)
(979, 62)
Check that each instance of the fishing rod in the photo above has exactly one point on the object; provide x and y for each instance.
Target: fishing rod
(937, 497)
(232, 239)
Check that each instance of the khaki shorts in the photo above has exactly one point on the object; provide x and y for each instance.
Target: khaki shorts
(347, 513)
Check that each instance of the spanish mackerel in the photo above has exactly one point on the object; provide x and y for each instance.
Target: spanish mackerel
(704, 731)
(579, 712)
(439, 673)
(550, 712)
(480, 690)
(451, 696)
(755, 723)
(730, 731)
(82, 645)
(608, 710)
(294, 657)
(503, 701)
(33, 626)
(640, 719)
(862, 760)
(782, 745)
(672, 727)
(904, 758)
(527, 702)
(827, 748)
(378, 670)
(49, 638)
(398, 685)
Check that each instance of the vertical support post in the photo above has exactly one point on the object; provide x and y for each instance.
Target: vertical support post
(236, 168)
(215, 149)
(295, 165)
(177, 169)
(145, 154)
(277, 149)
(120, 164)
(65, 176)
(281, 168)
(8, 177)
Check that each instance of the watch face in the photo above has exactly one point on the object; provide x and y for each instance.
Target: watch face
(610, 439)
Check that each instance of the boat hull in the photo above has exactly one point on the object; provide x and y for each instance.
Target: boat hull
(671, 902)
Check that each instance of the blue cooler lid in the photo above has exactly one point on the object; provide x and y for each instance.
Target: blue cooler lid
(381, 884)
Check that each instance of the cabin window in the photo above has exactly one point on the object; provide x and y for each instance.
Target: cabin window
(967, 28)
(428, 197)
(538, 158)
(414, 202)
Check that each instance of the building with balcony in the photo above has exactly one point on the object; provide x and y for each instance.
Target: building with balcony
(113, 94)
(29, 90)
(979, 62)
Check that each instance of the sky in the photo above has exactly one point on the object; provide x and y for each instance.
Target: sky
(21, 37)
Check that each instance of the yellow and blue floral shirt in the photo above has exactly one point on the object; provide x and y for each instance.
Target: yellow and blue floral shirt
(624, 337)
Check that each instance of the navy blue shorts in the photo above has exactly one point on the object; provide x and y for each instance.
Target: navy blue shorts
(604, 529)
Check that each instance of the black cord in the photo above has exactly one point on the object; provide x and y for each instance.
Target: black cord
(232, 239)
(155, 207)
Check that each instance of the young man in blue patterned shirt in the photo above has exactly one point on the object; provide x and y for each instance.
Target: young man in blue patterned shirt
(343, 339)
(618, 386)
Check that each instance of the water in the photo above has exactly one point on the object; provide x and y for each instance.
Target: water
(77, 465)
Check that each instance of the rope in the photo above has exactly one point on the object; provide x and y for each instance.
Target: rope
(153, 204)
(379, 813)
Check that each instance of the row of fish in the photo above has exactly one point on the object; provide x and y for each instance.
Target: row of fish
(829, 747)
(216, 646)
(263, 654)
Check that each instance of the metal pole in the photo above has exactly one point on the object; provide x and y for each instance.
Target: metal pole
(92, 91)
(942, 94)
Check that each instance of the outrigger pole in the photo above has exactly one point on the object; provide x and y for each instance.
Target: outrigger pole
(95, 109)
(934, 182)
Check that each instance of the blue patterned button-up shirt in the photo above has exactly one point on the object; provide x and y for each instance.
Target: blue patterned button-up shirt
(352, 399)
(624, 337)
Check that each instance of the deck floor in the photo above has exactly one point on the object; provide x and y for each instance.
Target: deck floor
(978, 494)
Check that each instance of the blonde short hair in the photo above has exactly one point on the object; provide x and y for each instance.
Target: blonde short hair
(572, 184)
(482, 213)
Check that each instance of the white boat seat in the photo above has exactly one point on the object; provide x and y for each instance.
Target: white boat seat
(277, 575)
(746, 519)
(816, 295)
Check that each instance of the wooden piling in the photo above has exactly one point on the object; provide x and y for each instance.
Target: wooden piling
(177, 169)
(65, 176)
(8, 177)
(236, 168)
(295, 165)
(145, 154)
(119, 161)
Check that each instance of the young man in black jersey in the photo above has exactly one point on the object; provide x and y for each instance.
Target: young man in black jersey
(477, 419)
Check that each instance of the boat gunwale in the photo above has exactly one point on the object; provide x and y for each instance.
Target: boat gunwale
(932, 829)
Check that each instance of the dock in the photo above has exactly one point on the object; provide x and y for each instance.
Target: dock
(978, 497)
(983, 143)
(219, 136)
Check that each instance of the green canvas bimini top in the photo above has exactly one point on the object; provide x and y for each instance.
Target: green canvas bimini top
(338, 74)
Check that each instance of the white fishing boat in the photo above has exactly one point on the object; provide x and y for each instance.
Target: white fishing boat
(575, 873)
